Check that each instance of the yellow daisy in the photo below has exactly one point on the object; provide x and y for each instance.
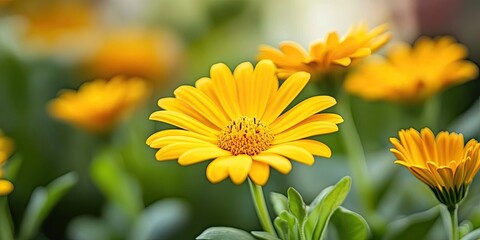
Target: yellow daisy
(236, 120)
(99, 105)
(324, 56)
(411, 74)
(6, 148)
(444, 162)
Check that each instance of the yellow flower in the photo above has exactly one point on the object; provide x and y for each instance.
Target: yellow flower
(135, 53)
(100, 104)
(236, 120)
(324, 56)
(444, 162)
(6, 148)
(411, 74)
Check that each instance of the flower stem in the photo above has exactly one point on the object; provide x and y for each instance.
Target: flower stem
(355, 153)
(5, 220)
(431, 112)
(261, 207)
(454, 221)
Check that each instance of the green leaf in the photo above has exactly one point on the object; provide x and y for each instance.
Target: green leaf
(318, 219)
(279, 202)
(224, 233)
(41, 203)
(6, 227)
(415, 226)
(264, 235)
(13, 165)
(350, 225)
(116, 184)
(467, 123)
(293, 231)
(474, 235)
(160, 220)
(296, 205)
(89, 228)
(281, 225)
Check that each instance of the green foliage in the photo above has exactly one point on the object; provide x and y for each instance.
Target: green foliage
(224, 233)
(349, 225)
(41, 203)
(415, 226)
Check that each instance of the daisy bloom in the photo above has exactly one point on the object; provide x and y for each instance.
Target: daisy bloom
(98, 105)
(6, 148)
(445, 163)
(240, 121)
(325, 55)
(412, 74)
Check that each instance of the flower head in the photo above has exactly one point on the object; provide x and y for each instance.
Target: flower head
(237, 120)
(6, 148)
(411, 74)
(324, 56)
(100, 104)
(445, 163)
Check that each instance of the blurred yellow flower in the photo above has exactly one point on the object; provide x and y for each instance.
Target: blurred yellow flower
(412, 74)
(6, 148)
(236, 120)
(136, 53)
(324, 56)
(100, 104)
(444, 162)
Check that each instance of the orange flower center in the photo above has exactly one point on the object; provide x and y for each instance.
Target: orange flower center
(245, 135)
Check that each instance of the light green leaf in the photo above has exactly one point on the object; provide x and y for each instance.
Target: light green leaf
(224, 233)
(264, 235)
(160, 220)
(281, 225)
(293, 231)
(474, 235)
(279, 202)
(13, 165)
(116, 184)
(350, 225)
(467, 123)
(6, 227)
(415, 226)
(318, 219)
(296, 205)
(41, 203)
(88, 228)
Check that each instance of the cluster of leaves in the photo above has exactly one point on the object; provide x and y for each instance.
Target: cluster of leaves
(296, 220)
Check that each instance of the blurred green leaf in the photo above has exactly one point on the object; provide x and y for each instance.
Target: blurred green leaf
(13, 165)
(88, 228)
(318, 219)
(279, 202)
(464, 228)
(467, 123)
(160, 220)
(6, 227)
(474, 235)
(349, 225)
(224, 233)
(117, 185)
(415, 226)
(41, 203)
(264, 235)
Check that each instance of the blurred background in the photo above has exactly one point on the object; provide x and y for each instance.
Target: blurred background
(50, 45)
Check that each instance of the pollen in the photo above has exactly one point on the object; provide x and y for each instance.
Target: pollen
(245, 135)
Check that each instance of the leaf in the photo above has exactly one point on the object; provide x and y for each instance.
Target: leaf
(264, 235)
(224, 233)
(88, 228)
(279, 202)
(13, 165)
(116, 184)
(320, 215)
(296, 205)
(6, 228)
(467, 123)
(281, 225)
(350, 225)
(41, 203)
(293, 231)
(474, 235)
(160, 220)
(415, 226)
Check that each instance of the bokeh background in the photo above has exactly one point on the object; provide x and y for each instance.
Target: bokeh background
(49, 45)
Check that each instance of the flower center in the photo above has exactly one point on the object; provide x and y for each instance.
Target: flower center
(245, 135)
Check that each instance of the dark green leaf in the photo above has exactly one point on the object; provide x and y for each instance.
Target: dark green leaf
(474, 235)
(264, 235)
(320, 215)
(224, 233)
(349, 225)
(41, 203)
(279, 202)
(415, 226)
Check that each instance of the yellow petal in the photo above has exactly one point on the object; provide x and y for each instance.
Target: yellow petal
(243, 74)
(263, 81)
(199, 154)
(314, 147)
(304, 131)
(175, 150)
(179, 132)
(225, 89)
(217, 170)
(239, 168)
(259, 173)
(276, 161)
(6, 187)
(183, 121)
(361, 52)
(294, 51)
(343, 61)
(292, 152)
(161, 142)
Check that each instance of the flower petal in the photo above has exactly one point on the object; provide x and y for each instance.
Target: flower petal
(199, 154)
(183, 121)
(314, 147)
(292, 152)
(259, 173)
(225, 89)
(239, 168)
(276, 161)
(304, 131)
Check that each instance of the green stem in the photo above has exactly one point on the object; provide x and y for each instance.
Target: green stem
(454, 221)
(355, 153)
(431, 112)
(261, 207)
(6, 232)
